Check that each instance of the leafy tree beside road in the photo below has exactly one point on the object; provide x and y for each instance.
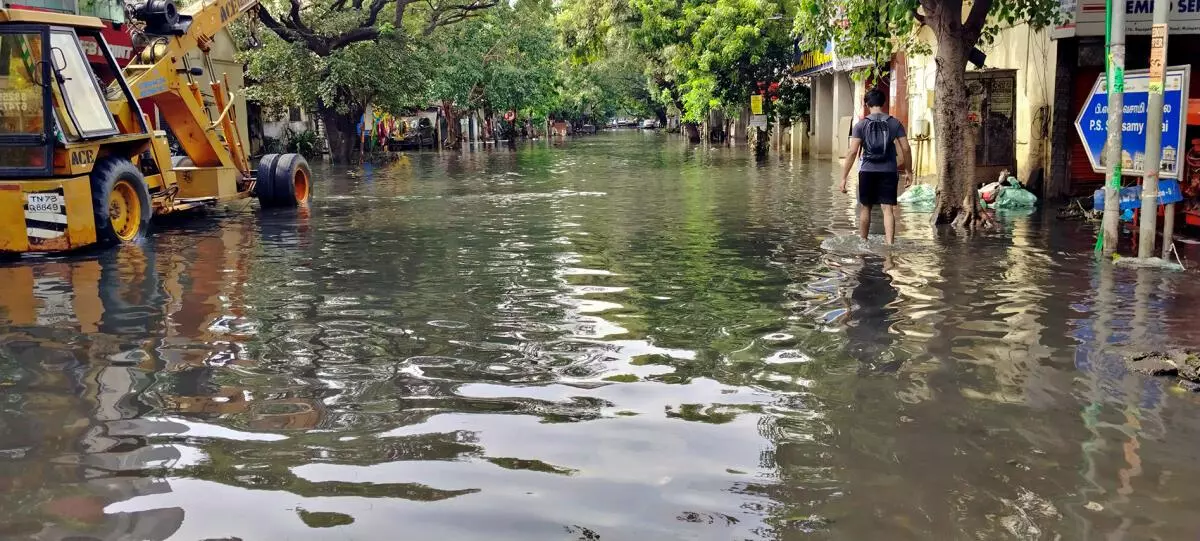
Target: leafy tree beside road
(875, 29)
(339, 56)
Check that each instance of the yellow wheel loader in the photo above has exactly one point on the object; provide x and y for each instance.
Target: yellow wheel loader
(79, 163)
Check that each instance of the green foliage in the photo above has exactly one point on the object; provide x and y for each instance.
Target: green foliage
(875, 29)
(272, 145)
(695, 55)
(389, 72)
(603, 88)
(304, 143)
(503, 60)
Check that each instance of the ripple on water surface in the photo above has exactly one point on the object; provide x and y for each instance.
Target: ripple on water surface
(615, 337)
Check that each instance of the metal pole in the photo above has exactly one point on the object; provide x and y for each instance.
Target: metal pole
(1115, 79)
(1148, 228)
(1168, 231)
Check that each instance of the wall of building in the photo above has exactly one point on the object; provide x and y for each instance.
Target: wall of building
(277, 128)
(1034, 57)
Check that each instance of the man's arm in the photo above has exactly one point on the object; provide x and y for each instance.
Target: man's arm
(904, 159)
(848, 163)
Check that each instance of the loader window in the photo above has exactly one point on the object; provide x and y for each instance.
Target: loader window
(20, 93)
(85, 102)
(24, 146)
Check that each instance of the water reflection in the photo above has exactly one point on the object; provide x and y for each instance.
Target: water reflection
(616, 337)
(868, 325)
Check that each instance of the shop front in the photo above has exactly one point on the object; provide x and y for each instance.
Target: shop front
(837, 98)
(1083, 49)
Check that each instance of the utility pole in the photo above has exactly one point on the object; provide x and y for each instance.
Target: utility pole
(1148, 227)
(1115, 80)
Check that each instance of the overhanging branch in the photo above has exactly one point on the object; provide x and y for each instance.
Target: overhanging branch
(977, 17)
(443, 15)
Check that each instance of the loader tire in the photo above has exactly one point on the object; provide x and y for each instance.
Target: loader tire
(288, 184)
(264, 180)
(120, 201)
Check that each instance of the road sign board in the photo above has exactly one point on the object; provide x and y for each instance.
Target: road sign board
(1092, 122)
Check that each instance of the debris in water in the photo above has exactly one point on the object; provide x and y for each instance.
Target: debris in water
(1093, 506)
(1183, 363)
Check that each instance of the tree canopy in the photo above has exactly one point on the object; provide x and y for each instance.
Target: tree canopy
(877, 28)
(503, 60)
(579, 60)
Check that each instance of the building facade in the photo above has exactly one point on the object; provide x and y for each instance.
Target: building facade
(1011, 98)
(1081, 51)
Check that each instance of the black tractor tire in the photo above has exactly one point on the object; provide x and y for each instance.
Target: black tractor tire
(117, 174)
(264, 179)
(289, 183)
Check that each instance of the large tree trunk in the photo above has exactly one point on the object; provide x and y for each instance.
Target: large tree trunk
(692, 131)
(762, 143)
(957, 202)
(453, 128)
(340, 131)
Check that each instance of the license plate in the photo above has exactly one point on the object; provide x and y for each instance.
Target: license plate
(50, 203)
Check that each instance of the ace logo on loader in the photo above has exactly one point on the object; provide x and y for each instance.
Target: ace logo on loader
(83, 157)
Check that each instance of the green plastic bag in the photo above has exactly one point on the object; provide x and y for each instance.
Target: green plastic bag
(919, 195)
(1013, 197)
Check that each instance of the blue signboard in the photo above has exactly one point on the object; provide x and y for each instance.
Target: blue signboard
(810, 62)
(1093, 121)
(1131, 197)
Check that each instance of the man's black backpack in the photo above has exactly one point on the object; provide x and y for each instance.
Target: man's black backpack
(877, 136)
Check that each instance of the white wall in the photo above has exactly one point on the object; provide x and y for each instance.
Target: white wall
(822, 115)
(1034, 56)
(844, 112)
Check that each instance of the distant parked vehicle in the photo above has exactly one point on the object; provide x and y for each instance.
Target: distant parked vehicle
(650, 124)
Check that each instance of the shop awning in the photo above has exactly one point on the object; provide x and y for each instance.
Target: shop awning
(810, 63)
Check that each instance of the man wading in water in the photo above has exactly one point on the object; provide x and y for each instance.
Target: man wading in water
(877, 137)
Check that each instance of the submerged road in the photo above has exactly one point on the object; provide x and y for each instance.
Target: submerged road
(615, 337)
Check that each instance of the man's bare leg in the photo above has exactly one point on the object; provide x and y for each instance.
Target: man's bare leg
(864, 221)
(889, 223)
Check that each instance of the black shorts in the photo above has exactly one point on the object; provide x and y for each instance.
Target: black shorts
(875, 188)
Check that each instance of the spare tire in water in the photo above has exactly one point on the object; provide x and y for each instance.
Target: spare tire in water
(264, 179)
(284, 180)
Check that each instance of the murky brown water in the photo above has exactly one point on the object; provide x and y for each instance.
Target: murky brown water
(616, 338)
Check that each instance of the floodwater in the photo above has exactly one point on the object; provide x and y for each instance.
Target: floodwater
(616, 337)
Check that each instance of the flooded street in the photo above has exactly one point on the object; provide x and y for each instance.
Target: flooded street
(618, 337)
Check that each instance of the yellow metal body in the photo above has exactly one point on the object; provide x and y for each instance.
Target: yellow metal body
(220, 170)
(75, 210)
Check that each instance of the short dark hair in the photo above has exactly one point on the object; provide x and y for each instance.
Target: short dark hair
(875, 98)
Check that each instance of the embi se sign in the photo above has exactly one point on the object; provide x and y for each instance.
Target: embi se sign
(1184, 17)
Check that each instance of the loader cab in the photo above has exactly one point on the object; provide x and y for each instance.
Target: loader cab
(50, 96)
(26, 124)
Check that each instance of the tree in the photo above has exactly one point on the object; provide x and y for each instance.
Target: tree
(876, 28)
(501, 61)
(601, 88)
(605, 71)
(697, 55)
(339, 56)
